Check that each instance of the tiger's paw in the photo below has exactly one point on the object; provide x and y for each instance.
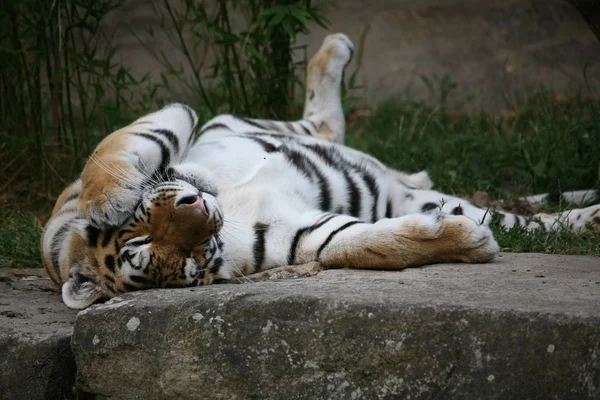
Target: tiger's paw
(474, 242)
(109, 198)
(111, 208)
(451, 237)
(331, 59)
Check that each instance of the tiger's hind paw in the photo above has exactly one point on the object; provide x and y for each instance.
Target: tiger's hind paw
(331, 59)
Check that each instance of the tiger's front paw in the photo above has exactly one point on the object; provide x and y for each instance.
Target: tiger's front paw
(111, 208)
(110, 192)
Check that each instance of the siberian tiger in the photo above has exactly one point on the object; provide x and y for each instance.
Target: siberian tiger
(156, 206)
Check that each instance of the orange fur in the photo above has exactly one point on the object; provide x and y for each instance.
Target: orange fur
(98, 184)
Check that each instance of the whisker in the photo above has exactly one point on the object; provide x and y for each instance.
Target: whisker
(237, 269)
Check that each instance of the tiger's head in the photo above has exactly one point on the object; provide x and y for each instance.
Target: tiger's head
(171, 240)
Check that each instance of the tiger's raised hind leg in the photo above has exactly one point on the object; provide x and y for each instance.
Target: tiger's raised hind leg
(324, 75)
(323, 115)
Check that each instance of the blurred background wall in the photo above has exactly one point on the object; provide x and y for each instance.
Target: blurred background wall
(493, 50)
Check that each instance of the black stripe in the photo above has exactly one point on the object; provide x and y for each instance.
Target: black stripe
(123, 232)
(301, 233)
(305, 129)
(73, 196)
(260, 231)
(250, 122)
(298, 160)
(130, 288)
(92, 235)
(140, 279)
(216, 265)
(457, 210)
(425, 208)
(190, 114)
(555, 198)
(310, 169)
(268, 147)
(213, 251)
(336, 163)
(170, 137)
(108, 234)
(517, 221)
(164, 152)
(332, 234)
(290, 127)
(109, 262)
(333, 157)
(354, 194)
(374, 189)
(388, 209)
(56, 247)
(325, 192)
(216, 125)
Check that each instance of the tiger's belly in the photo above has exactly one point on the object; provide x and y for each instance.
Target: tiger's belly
(255, 180)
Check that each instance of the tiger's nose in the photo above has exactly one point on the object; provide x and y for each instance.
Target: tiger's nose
(192, 201)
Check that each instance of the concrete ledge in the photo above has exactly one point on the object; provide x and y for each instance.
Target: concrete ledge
(526, 326)
(36, 361)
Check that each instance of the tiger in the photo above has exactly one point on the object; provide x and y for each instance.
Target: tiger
(162, 204)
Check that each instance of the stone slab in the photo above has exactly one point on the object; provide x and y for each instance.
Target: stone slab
(524, 326)
(36, 361)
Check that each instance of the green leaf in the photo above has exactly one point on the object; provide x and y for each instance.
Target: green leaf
(287, 27)
(252, 50)
(301, 16)
(277, 18)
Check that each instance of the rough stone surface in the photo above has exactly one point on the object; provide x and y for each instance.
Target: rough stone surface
(524, 326)
(36, 361)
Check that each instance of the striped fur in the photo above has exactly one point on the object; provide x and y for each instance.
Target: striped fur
(157, 208)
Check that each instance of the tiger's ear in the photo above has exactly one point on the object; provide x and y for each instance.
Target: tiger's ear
(79, 292)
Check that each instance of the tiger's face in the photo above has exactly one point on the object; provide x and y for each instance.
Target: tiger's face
(170, 241)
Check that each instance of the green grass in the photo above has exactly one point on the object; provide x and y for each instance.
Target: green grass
(543, 147)
(546, 146)
(19, 239)
(561, 241)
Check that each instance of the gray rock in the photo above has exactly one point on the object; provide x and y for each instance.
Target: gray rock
(525, 326)
(36, 361)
